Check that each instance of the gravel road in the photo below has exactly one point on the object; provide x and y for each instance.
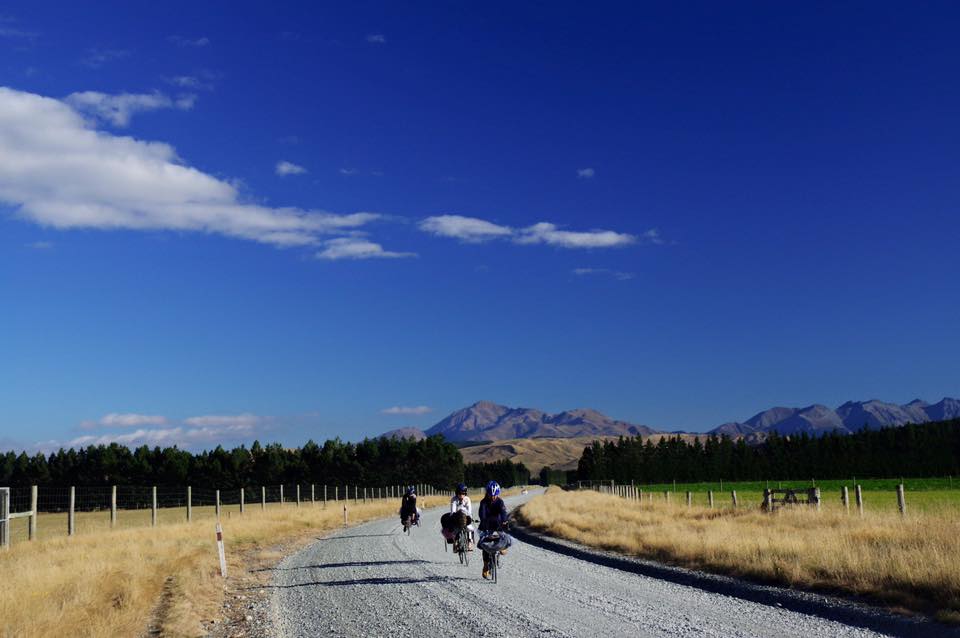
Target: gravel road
(371, 580)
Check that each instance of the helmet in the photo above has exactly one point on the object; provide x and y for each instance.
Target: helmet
(411, 490)
(461, 488)
(493, 488)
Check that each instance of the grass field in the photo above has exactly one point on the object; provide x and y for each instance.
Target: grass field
(907, 563)
(124, 581)
(930, 495)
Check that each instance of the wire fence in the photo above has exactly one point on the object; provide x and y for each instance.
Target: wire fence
(41, 512)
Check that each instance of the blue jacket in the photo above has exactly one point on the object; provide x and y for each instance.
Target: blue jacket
(493, 514)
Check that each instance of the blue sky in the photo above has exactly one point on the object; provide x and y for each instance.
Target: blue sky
(227, 221)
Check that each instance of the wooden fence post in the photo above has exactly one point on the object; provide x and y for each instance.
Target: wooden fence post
(70, 514)
(189, 503)
(313, 494)
(666, 496)
(263, 497)
(858, 495)
(364, 495)
(153, 507)
(324, 496)
(901, 500)
(32, 523)
(344, 514)
(689, 499)
(298, 495)
(355, 494)
(336, 493)
(4, 518)
(845, 498)
(815, 497)
(217, 504)
(281, 494)
(242, 501)
(733, 497)
(710, 498)
(767, 500)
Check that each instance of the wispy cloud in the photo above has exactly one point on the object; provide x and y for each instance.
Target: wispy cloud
(285, 168)
(616, 274)
(96, 58)
(349, 172)
(585, 173)
(407, 410)
(124, 420)
(40, 245)
(467, 229)
(182, 41)
(118, 109)
(474, 230)
(10, 29)
(59, 172)
(221, 420)
(357, 248)
(546, 233)
(376, 38)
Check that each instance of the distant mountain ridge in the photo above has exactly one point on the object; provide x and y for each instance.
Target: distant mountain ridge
(488, 421)
(850, 417)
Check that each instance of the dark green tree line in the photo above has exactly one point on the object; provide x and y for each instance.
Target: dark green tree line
(372, 462)
(929, 449)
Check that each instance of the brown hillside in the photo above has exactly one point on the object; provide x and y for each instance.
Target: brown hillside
(557, 453)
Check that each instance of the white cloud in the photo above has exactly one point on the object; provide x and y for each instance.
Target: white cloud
(585, 173)
(348, 171)
(221, 420)
(376, 38)
(472, 229)
(357, 248)
(468, 229)
(118, 109)
(653, 236)
(127, 420)
(289, 168)
(546, 233)
(59, 172)
(40, 245)
(181, 41)
(8, 29)
(616, 274)
(179, 436)
(407, 410)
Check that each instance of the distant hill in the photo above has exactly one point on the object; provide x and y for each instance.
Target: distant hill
(405, 433)
(557, 453)
(852, 416)
(487, 421)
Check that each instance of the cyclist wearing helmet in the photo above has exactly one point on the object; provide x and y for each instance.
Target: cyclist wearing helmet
(461, 513)
(408, 506)
(493, 515)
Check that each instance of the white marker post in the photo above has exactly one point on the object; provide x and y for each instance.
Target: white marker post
(223, 559)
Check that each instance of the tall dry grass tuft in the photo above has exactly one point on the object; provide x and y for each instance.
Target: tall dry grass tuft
(120, 583)
(911, 563)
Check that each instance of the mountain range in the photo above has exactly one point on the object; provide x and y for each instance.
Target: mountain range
(488, 421)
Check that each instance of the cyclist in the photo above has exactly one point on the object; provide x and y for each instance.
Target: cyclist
(408, 506)
(461, 512)
(493, 516)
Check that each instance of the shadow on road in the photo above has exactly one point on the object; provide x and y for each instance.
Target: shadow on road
(338, 538)
(367, 563)
(384, 580)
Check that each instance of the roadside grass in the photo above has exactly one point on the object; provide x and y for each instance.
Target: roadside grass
(932, 495)
(908, 563)
(126, 582)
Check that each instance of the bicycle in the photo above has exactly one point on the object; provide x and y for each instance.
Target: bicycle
(408, 522)
(461, 544)
(491, 539)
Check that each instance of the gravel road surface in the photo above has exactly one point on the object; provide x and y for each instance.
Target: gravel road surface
(371, 580)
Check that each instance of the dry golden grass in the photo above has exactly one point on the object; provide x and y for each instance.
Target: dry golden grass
(910, 563)
(126, 581)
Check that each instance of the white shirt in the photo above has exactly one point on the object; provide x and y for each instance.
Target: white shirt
(457, 505)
